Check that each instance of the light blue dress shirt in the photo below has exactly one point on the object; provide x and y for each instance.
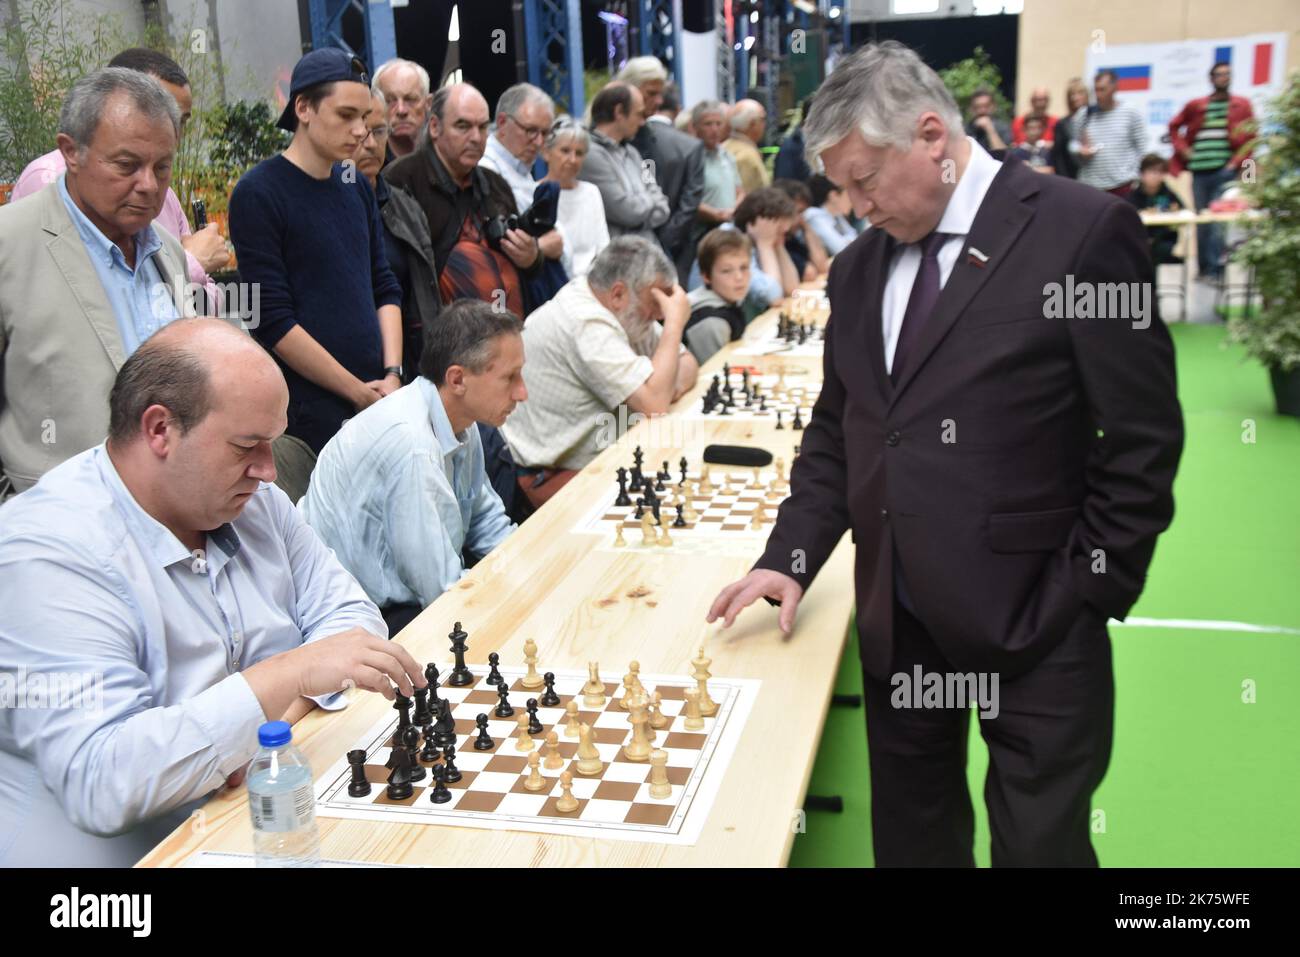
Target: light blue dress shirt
(92, 586)
(399, 496)
(141, 301)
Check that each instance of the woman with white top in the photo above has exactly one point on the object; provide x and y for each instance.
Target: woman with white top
(581, 210)
(828, 214)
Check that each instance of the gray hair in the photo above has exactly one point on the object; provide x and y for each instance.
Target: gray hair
(566, 127)
(743, 115)
(84, 107)
(881, 91)
(393, 64)
(705, 107)
(162, 371)
(464, 334)
(642, 69)
(520, 95)
(634, 260)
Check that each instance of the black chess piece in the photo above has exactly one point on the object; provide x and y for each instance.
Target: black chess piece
(440, 794)
(430, 752)
(778, 419)
(797, 425)
(444, 729)
(503, 709)
(681, 464)
(534, 723)
(460, 675)
(744, 378)
(638, 457)
(449, 764)
(399, 776)
(680, 520)
(726, 373)
(622, 488)
(411, 741)
(422, 713)
(402, 705)
(549, 698)
(659, 480)
(358, 787)
(431, 676)
(640, 509)
(494, 676)
(484, 740)
(708, 403)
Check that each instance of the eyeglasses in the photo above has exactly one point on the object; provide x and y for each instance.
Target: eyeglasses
(379, 133)
(530, 132)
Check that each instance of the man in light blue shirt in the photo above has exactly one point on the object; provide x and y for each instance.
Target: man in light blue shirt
(158, 602)
(401, 493)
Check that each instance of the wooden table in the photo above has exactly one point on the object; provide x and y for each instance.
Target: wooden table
(1185, 219)
(550, 584)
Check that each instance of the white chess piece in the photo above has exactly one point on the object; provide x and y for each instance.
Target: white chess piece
(567, 802)
(535, 780)
(525, 741)
(694, 720)
(532, 679)
(554, 760)
(708, 707)
(589, 762)
(571, 718)
(659, 786)
(593, 692)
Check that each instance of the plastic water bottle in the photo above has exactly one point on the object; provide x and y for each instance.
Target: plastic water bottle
(281, 801)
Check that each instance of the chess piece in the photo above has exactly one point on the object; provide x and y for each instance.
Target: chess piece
(659, 786)
(571, 720)
(593, 692)
(460, 675)
(524, 742)
(691, 515)
(754, 479)
(756, 523)
(664, 539)
(399, 777)
(658, 720)
(402, 705)
(680, 520)
(647, 530)
(422, 715)
(411, 741)
(589, 762)
(532, 680)
(554, 760)
(797, 425)
(567, 802)
(549, 698)
(444, 729)
(619, 540)
(503, 709)
(484, 740)
(431, 676)
(494, 676)
(682, 463)
(638, 749)
(708, 707)
(622, 498)
(358, 787)
(778, 419)
(631, 685)
(535, 780)
(449, 764)
(694, 720)
(534, 723)
(430, 752)
(440, 794)
(705, 485)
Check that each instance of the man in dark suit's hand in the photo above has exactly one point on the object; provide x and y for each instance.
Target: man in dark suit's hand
(760, 583)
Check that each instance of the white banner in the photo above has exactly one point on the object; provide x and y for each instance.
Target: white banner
(1157, 79)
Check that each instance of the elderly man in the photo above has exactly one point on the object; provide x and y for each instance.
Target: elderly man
(205, 251)
(1004, 475)
(178, 597)
(401, 493)
(466, 204)
(634, 203)
(610, 339)
(678, 162)
(1038, 101)
(722, 189)
(84, 276)
(404, 85)
(748, 122)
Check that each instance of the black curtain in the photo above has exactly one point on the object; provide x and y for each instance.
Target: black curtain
(943, 42)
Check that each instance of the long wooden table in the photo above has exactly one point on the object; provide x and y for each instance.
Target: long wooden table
(577, 602)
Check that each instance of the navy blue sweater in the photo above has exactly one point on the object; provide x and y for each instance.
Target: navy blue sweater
(316, 249)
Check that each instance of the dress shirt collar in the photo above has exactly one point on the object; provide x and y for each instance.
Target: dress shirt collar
(507, 158)
(965, 200)
(166, 548)
(449, 441)
(97, 244)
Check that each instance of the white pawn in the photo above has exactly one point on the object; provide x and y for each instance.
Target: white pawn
(554, 761)
(525, 741)
(658, 720)
(535, 780)
(571, 719)
(567, 801)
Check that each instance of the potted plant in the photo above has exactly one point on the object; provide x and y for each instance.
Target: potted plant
(1272, 334)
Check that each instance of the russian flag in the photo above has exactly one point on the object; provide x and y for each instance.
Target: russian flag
(1133, 77)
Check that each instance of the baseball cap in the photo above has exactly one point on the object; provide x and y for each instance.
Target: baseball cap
(328, 65)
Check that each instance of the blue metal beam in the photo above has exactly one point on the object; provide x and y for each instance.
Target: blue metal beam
(653, 15)
(550, 22)
(376, 24)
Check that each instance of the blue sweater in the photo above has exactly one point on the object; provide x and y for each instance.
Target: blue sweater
(316, 250)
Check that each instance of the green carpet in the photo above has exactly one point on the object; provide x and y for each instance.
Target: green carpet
(1198, 776)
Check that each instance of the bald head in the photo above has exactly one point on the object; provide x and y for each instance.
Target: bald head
(749, 118)
(1039, 99)
(458, 128)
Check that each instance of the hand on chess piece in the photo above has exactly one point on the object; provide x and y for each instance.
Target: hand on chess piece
(760, 583)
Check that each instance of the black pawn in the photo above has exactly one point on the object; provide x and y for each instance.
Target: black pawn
(640, 509)
(484, 740)
(623, 498)
(534, 724)
(494, 676)
(549, 698)
(680, 520)
(430, 752)
(440, 794)
(460, 675)
(503, 709)
(778, 419)
(358, 787)
(449, 764)
(798, 420)
(411, 741)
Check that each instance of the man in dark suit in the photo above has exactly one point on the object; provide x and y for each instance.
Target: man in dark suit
(1003, 464)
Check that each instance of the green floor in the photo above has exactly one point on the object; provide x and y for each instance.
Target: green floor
(1198, 776)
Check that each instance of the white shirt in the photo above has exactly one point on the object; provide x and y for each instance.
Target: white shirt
(520, 177)
(957, 218)
(581, 216)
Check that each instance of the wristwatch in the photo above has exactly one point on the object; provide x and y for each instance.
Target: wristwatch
(393, 370)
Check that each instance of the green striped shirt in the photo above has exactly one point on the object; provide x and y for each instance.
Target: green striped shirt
(1210, 151)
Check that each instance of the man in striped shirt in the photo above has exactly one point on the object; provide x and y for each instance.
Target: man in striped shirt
(1212, 139)
(1108, 139)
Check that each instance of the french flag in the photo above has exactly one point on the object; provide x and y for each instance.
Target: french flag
(1133, 77)
(1261, 65)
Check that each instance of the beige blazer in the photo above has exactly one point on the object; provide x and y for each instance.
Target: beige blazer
(60, 348)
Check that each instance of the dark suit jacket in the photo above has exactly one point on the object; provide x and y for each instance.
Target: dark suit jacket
(679, 170)
(1001, 532)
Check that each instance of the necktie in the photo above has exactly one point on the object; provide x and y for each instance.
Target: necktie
(925, 293)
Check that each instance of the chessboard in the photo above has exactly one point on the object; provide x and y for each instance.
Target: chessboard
(799, 332)
(744, 394)
(713, 508)
(611, 798)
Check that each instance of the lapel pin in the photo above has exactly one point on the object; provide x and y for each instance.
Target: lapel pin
(975, 257)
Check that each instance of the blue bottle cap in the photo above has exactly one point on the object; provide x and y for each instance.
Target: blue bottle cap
(274, 734)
